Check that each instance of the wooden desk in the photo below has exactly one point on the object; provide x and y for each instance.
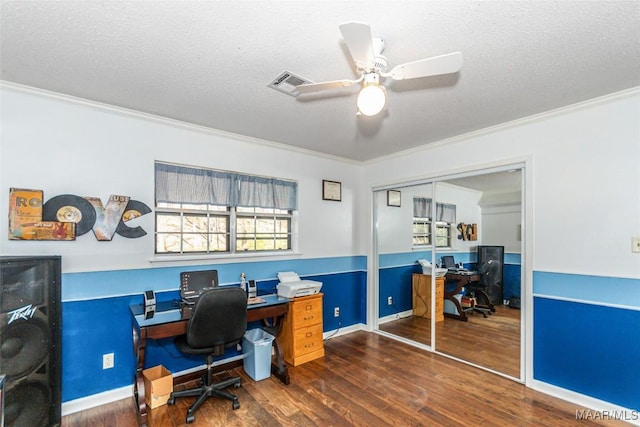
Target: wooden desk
(171, 318)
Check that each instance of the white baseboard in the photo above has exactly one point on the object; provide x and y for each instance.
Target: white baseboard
(95, 400)
(395, 316)
(343, 331)
(597, 409)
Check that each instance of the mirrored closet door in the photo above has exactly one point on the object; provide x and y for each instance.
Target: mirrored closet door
(470, 310)
(404, 295)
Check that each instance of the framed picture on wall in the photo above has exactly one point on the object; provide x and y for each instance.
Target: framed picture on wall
(331, 190)
(393, 198)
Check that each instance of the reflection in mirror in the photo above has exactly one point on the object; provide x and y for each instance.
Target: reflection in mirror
(480, 326)
(404, 296)
(477, 315)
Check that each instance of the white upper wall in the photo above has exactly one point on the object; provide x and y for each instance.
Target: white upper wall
(582, 177)
(582, 168)
(65, 146)
(502, 226)
(395, 224)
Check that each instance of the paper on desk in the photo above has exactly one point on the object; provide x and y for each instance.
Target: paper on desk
(254, 300)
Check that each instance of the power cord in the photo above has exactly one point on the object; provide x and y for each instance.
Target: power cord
(336, 331)
(396, 309)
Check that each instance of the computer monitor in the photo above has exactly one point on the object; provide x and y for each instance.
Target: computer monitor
(194, 283)
(448, 262)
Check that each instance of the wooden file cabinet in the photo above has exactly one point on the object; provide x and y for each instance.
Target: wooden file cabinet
(301, 335)
(421, 284)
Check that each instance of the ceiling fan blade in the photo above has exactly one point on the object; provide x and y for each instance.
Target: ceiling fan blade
(357, 37)
(315, 87)
(443, 64)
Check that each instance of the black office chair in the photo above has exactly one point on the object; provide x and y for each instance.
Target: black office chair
(483, 304)
(218, 321)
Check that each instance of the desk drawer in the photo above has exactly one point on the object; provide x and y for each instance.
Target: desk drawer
(421, 284)
(301, 336)
(307, 340)
(306, 312)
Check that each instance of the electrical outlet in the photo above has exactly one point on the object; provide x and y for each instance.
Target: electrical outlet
(107, 361)
(336, 312)
(389, 301)
(635, 244)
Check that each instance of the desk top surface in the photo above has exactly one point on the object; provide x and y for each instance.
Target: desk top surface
(462, 273)
(175, 310)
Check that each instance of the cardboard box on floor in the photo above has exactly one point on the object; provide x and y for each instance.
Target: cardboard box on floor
(158, 385)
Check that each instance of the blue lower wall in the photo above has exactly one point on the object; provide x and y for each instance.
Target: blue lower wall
(512, 280)
(586, 335)
(89, 330)
(395, 270)
(396, 282)
(586, 328)
(96, 318)
(590, 349)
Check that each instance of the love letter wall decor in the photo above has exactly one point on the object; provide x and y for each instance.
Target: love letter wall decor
(66, 216)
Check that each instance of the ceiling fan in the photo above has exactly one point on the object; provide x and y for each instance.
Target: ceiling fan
(366, 52)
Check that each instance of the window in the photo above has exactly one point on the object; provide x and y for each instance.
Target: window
(188, 228)
(259, 229)
(209, 211)
(445, 217)
(443, 235)
(421, 231)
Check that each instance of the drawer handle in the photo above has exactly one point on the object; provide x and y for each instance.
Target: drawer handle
(308, 345)
(309, 334)
(309, 307)
(308, 318)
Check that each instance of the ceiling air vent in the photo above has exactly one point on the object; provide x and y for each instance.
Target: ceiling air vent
(286, 82)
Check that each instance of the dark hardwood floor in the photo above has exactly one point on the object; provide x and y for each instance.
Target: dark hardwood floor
(365, 379)
(492, 342)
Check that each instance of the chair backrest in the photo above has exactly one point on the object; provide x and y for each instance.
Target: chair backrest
(219, 318)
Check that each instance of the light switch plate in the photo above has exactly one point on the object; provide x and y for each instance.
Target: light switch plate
(635, 245)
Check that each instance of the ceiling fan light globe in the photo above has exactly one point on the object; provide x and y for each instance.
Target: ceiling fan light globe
(372, 100)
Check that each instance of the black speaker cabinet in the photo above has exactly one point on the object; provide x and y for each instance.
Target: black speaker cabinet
(30, 330)
(491, 269)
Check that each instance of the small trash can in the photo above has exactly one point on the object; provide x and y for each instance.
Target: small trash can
(256, 346)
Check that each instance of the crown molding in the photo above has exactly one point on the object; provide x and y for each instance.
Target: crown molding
(168, 121)
(511, 124)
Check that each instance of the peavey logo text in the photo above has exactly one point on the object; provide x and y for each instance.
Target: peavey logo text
(25, 313)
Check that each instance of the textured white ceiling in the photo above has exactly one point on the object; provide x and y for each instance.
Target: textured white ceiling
(209, 62)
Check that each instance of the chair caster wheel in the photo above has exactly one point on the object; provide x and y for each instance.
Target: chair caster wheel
(190, 419)
(237, 385)
(171, 401)
(236, 405)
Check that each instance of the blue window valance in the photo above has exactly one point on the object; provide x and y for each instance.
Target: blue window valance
(445, 212)
(189, 185)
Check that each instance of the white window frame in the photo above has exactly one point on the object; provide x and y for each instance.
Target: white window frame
(230, 214)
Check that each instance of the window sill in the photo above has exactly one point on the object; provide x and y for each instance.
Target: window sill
(439, 248)
(222, 257)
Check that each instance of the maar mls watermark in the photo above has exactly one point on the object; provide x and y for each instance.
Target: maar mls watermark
(621, 415)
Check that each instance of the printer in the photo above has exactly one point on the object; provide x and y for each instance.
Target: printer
(292, 286)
